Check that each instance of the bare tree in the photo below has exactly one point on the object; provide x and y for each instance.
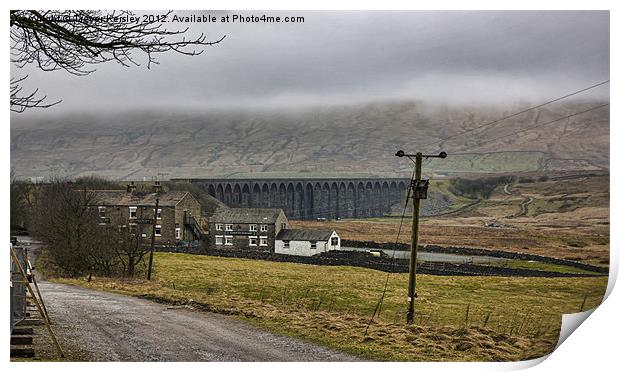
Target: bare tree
(22, 202)
(131, 250)
(104, 259)
(21, 102)
(75, 41)
(77, 242)
(66, 220)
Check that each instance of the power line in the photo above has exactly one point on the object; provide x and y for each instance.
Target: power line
(387, 277)
(515, 114)
(370, 204)
(352, 206)
(536, 126)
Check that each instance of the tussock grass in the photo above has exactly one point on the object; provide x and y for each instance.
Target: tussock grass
(457, 318)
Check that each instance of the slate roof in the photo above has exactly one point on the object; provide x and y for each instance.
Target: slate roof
(304, 234)
(124, 198)
(246, 215)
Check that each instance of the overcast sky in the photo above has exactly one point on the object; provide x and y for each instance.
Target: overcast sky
(354, 57)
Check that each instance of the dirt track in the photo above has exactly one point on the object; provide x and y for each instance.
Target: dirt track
(100, 326)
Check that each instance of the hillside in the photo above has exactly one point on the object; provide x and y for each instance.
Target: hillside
(349, 139)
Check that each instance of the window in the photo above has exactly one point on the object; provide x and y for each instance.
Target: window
(157, 230)
(287, 243)
(252, 227)
(263, 241)
(263, 228)
(177, 233)
(158, 213)
(252, 240)
(228, 240)
(103, 220)
(283, 226)
(219, 227)
(312, 244)
(132, 212)
(335, 240)
(219, 240)
(144, 235)
(132, 228)
(229, 227)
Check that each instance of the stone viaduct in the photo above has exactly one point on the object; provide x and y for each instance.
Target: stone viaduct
(310, 198)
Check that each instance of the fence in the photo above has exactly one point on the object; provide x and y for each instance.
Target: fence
(18, 287)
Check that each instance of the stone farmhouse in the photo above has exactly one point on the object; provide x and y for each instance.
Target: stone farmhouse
(246, 228)
(179, 216)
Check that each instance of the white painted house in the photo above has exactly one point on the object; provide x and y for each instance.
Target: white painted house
(301, 242)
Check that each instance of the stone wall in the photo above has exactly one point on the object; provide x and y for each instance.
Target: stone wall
(362, 259)
(476, 252)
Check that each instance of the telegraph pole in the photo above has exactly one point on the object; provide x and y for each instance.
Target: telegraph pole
(148, 276)
(419, 189)
(413, 260)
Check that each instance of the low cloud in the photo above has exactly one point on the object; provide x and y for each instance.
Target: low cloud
(353, 57)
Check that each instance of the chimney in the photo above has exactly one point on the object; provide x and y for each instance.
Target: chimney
(157, 187)
(131, 187)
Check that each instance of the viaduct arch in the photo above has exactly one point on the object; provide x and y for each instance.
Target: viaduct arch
(303, 199)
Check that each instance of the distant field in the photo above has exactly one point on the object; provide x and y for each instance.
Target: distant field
(457, 318)
(584, 244)
(564, 216)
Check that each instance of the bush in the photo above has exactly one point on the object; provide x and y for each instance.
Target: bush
(477, 188)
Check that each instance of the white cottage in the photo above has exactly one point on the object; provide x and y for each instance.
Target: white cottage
(301, 242)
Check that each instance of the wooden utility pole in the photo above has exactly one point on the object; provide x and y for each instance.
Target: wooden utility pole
(148, 276)
(413, 260)
(419, 189)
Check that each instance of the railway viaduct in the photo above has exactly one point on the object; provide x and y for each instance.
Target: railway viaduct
(310, 198)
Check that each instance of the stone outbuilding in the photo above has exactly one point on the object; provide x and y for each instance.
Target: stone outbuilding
(302, 242)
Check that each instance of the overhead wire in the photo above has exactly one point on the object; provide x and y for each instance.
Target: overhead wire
(497, 121)
(387, 277)
(536, 126)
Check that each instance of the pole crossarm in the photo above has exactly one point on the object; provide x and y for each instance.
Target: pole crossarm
(401, 153)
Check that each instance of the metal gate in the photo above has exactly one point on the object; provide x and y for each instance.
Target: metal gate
(18, 287)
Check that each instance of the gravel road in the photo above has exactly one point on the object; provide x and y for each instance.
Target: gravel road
(102, 326)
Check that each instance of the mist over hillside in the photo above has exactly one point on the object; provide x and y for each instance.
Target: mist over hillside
(325, 140)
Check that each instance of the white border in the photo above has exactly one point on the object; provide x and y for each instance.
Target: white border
(592, 347)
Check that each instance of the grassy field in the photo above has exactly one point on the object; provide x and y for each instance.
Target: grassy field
(564, 218)
(541, 266)
(457, 318)
(586, 244)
